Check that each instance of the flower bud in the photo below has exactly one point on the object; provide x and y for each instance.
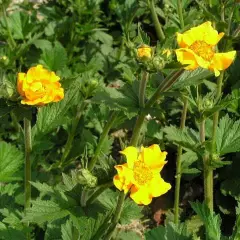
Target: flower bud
(158, 62)
(4, 60)
(144, 52)
(86, 178)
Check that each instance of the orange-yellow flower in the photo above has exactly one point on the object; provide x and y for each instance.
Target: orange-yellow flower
(39, 86)
(141, 174)
(144, 52)
(197, 49)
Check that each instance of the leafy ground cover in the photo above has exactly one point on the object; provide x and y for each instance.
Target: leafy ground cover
(119, 119)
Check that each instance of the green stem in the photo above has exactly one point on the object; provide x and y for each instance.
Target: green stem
(117, 215)
(104, 134)
(207, 171)
(178, 165)
(210, 3)
(12, 43)
(180, 14)
(142, 89)
(71, 135)
(158, 27)
(100, 189)
(28, 149)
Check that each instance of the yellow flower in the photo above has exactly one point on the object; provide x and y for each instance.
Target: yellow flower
(39, 86)
(141, 174)
(197, 49)
(144, 52)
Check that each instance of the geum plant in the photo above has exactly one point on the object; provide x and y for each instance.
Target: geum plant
(76, 185)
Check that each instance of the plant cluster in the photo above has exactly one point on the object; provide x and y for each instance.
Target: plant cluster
(119, 120)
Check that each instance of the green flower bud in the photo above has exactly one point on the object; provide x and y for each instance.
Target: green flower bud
(86, 178)
(158, 62)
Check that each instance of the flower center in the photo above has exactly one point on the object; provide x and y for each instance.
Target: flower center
(142, 173)
(203, 50)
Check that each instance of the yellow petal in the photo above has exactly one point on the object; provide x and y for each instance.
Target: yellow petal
(222, 61)
(158, 186)
(204, 32)
(20, 80)
(186, 58)
(140, 195)
(131, 154)
(123, 180)
(153, 157)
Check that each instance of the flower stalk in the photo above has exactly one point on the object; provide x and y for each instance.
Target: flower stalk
(28, 149)
(71, 135)
(207, 171)
(178, 165)
(158, 27)
(104, 134)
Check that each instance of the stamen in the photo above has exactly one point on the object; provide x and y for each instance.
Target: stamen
(203, 50)
(142, 173)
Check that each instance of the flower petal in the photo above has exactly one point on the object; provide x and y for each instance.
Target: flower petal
(186, 57)
(153, 157)
(123, 180)
(222, 61)
(158, 186)
(131, 154)
(204, 32)
(141, 195)
(20, 80)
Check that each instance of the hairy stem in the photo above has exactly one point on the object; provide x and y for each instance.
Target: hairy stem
(157, 25)
(178, 165)
(104, 134)
(142, 88)
(28, 149)
(207, 171)
(71, 135)
(180, 13)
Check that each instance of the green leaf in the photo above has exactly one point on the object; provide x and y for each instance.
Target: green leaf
(124, 99)
(4, 108)
(20, 24)
(156, 233)
(9, 189)
(187, 138)
(170, 231)
(69, 232)
(189, 78)
(55, 58)
(228, 136)
(189, 158)
(43, 188)
(11, 160)
(128, 235)
(44, 211)
(52, 115)
(212, 222)
(231, 187)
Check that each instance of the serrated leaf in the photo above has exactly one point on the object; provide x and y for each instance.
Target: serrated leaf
(212, 222)
(44, 211)
(187, 138)
(228, 136)
(52, 115)
(124, 99)
(189, 158)
(128, 235)
(9, 189)
(231, 187)
(68, 231)
(11, 160)
(43, 188)
(55, 58)
(189, 78)
(170, 231)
